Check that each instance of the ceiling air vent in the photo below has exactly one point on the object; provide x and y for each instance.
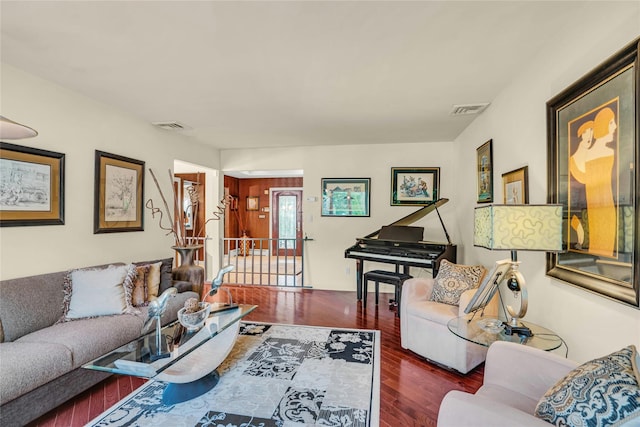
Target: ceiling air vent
(176, 126)
(468, 109)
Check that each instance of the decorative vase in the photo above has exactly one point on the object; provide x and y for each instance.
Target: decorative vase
(244, 246)
(188, 271)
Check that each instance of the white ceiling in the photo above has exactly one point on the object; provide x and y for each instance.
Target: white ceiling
(267, 73)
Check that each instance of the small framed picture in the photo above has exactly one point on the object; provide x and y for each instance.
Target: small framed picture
(119, 194)
(31, 186)
(515, 186)
(485, 172)
(346, 196)
(414, 186)
(253, 203)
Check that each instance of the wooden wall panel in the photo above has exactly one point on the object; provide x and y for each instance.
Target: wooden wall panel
(254, 187)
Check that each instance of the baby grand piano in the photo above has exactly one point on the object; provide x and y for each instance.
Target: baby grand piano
(402, 245)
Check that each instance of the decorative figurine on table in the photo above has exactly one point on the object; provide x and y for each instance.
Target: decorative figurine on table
(156, 308)
(217, 283)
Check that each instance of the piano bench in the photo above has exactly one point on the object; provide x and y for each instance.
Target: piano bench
(388, 277)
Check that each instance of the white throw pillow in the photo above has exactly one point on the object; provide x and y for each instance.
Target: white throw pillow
(99, 292)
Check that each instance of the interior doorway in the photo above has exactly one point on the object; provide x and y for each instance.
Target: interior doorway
(286, 221)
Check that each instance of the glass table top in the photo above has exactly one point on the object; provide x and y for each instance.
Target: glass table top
(139, 357)
(468, 328)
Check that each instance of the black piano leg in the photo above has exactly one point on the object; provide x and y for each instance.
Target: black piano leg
(359, 274)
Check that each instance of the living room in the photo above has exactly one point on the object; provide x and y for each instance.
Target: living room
(73, 123)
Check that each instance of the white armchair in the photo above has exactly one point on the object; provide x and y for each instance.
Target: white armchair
(515, 378)
(423, 326)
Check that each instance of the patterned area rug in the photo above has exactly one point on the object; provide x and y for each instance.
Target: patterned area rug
(276, 375)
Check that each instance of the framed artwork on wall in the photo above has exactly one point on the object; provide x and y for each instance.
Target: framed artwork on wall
(31, 186)
(118, 194)
(414, 186)
(592, 129)
(253, 203)
(346, 196)
(515, 186)
(484, 159)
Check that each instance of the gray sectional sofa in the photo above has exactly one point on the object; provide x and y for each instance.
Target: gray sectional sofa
(41, 358)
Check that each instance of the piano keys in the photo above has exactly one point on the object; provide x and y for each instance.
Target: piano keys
(401, 245)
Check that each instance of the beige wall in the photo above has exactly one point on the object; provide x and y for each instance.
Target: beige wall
(327, 267)
(590, 324)
(516, 121)
(75, 125)
(72, 124)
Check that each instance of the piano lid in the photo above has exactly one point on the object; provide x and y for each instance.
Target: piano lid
(415, 216)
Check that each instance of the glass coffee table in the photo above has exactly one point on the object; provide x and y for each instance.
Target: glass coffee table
(468, 328)
(190, 366)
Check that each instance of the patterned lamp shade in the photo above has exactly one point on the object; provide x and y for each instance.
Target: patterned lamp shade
(519, 227)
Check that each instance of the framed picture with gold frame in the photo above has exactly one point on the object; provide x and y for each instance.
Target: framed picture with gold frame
(253, 203)
(515, 186)
(31, 186)
(119, 194)
(593, 141)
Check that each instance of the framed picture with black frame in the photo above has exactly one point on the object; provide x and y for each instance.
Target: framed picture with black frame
(484, 165)
(346, 197)
(414, 186)
(31, 186)
(118, 194)
(592, 132)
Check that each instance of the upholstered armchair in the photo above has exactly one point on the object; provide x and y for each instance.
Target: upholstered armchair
(423, 325)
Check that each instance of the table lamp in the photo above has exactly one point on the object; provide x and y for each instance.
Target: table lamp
(518, 228)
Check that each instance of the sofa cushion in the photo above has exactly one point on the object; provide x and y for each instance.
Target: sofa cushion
(25, 366)
(139, 286)
(90, 338)
(432, 311)
(508, 396)
(30, 303)
(453, 279)
(102, 291)
(166, 265)
(602, 392)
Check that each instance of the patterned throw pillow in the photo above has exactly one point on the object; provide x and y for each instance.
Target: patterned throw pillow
(453, 279)
(139, 286)
(601, 392)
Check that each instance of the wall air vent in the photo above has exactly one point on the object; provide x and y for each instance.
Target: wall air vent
(468, 109)
(175, 126)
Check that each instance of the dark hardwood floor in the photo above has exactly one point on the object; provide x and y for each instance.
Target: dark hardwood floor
(411, 388)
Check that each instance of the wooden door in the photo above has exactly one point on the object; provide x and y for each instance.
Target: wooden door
(286, 221)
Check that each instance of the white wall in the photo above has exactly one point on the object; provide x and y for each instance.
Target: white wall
(590, 324)
(327, 268)
(72, 124)
(516, 121)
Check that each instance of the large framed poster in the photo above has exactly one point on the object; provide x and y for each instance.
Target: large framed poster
(593, 152)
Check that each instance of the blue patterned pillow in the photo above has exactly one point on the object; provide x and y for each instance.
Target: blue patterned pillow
(601, 392)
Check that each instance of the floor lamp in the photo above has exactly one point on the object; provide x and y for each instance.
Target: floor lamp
(518, 228)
